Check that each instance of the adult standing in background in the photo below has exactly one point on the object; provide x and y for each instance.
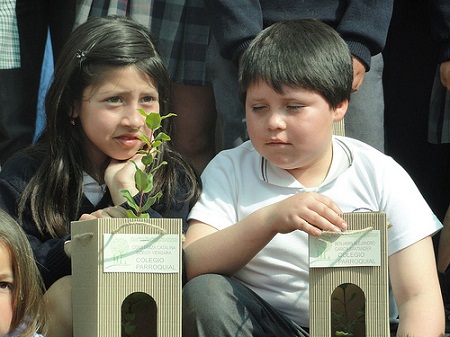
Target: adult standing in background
(363, 25)
(183, 34)
(439, 129)
(24, 26)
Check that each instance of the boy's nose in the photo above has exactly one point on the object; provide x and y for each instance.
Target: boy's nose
(275, 121)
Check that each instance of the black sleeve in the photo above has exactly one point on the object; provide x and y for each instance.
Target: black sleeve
(49, 253)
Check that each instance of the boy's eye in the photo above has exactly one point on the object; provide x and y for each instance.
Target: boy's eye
(257, 108)
(295, 107)
(6, 286)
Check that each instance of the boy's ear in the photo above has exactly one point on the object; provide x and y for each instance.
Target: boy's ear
(340, 111)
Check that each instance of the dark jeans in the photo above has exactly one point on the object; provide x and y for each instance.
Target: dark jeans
(19, 87)
(219, 306)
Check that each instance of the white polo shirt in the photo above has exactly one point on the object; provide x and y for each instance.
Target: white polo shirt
(239, 181)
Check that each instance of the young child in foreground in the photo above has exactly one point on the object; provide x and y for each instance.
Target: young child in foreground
(246, 246)
(21, 287)
(108, 70)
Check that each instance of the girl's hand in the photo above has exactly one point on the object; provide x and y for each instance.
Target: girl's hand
(109, 212)
(310, 212)
(119, 175)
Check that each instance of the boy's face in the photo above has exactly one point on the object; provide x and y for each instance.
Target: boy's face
(293, 129)
(6, 290)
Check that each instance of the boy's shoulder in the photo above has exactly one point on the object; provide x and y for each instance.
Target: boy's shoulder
(358, 148)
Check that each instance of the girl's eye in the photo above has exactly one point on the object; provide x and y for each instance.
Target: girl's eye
(115, 99)
(6, 286)
(149, 99)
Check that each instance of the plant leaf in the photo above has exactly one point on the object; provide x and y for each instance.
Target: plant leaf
(153, 121)
(129, 198)
(142, 181)
(162, 136)
(147, 160)
(130, 214)
(169, 115)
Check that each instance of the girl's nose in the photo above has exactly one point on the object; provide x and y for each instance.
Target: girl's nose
(133, 117)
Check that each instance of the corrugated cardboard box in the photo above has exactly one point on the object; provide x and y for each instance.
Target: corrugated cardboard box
(115, 258)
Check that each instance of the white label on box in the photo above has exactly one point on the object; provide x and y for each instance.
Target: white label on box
(349, 249)
(141, 253)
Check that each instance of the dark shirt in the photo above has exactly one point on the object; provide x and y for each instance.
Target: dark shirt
(363, 24)
(440, 25)
(49, 253)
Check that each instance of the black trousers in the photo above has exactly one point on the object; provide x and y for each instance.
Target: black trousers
(19, 87)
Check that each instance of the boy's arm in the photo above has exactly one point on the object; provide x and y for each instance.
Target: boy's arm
(226, 251)
(417, 291)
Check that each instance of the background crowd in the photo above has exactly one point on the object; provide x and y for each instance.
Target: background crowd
(400, 104)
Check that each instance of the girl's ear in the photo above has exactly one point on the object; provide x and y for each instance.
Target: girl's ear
(74, 111)
(340, 111)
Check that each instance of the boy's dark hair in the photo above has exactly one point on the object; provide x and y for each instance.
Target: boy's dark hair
(299, 53)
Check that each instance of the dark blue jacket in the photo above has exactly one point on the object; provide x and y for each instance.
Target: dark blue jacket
(363, 24)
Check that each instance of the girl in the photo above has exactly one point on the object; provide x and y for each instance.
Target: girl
(21, 304)
(108, 69)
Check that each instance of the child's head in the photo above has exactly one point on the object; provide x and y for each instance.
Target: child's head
(93, 52)
(301, 53)
(21, 301)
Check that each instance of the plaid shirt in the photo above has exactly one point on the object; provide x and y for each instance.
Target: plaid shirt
(9, 36)
(181, 27)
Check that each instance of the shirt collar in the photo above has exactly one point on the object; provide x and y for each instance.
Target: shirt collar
(342, 160)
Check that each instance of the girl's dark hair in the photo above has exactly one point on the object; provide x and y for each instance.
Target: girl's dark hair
(27, 296)
(94, 48)
(299, 53)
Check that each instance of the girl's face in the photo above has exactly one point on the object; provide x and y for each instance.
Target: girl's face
(109, 114)
(292, 129)
(6, 290)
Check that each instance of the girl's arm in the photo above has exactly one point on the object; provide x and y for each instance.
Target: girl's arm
(417, 291)
(208, 250)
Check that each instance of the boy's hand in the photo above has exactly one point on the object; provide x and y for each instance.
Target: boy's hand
(310, 212)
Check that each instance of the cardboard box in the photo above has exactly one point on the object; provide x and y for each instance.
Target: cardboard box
(115, 258)
(356, 258)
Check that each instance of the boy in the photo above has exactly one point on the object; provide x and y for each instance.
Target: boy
(246, 247)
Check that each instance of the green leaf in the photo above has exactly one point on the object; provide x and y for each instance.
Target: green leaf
(169, 115)
(147, 160)
(142, 181)
(129, 328)
(129, 198)
(150, 202)
(130, 214)
(142, 112)
(130, 317)
(162, 136)
(146, 139)
(153, 121)
(156, 143)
